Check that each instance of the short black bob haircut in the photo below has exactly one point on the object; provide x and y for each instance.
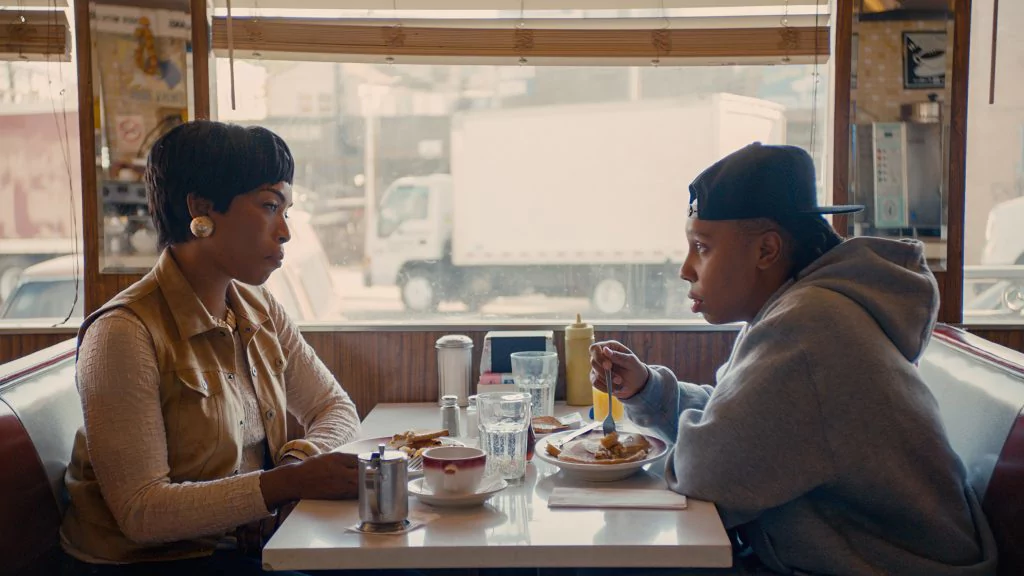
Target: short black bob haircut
(212, 160)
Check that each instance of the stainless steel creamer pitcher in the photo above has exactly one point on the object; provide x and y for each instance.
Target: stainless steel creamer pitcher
(383, 490)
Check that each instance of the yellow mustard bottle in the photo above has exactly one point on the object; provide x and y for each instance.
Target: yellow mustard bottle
(578, 338)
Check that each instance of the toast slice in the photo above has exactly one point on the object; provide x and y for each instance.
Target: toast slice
(426, 435)
(548, 425)
(416, 437)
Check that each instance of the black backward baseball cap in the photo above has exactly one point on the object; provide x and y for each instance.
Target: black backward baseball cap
(760, 181)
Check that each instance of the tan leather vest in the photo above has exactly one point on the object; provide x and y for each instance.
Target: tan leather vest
(201, 407)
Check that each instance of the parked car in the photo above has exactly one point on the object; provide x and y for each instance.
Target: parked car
(304, 285)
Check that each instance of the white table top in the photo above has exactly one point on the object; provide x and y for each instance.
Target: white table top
(515, 528)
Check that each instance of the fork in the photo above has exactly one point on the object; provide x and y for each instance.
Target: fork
(608, 426)
(416, 463)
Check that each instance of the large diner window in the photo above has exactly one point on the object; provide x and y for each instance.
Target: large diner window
(993, 231)
(40, 179)
(520, 164)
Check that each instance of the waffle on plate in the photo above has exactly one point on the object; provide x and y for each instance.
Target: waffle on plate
(598, 449)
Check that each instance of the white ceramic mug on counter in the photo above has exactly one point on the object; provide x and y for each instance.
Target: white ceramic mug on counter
(454, 469)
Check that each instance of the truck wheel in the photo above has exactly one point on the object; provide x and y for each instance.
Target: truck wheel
(609, 296)
(473, 303)
(419, 291)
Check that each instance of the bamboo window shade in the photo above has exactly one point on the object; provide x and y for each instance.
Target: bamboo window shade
(18, 4)
(34, 35)
(298, 38)
(521, 4)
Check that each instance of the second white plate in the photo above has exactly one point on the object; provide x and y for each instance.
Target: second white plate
(600, 472)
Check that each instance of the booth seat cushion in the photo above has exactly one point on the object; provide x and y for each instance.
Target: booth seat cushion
(979, 387)
(40, 411)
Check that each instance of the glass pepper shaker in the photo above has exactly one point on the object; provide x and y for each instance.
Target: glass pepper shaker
(450, 414)
(472, 419)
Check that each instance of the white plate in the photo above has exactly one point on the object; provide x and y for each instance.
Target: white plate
(600, 472)
(370, 445)
(488, 487)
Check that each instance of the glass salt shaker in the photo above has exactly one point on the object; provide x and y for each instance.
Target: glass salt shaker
(450, 414)
(472, 419)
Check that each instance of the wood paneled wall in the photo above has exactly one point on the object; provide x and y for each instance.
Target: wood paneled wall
(14, 345)
(379, 367)
(1013, 339)
(396, 366)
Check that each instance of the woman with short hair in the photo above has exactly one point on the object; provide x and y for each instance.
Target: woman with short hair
(187, 376)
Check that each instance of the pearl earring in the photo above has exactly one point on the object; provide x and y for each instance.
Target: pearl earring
(201, 226)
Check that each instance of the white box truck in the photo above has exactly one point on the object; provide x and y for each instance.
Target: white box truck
(574, 200)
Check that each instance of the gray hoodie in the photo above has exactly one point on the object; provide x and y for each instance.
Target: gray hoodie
(821, 443)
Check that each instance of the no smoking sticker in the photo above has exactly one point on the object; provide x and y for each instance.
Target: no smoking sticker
(129, 129)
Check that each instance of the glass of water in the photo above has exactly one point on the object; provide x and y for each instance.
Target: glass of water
(536, 373)
(504, 421)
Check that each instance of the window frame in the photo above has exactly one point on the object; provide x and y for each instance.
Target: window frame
(951, 279)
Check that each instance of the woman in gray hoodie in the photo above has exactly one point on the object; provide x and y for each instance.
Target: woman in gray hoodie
(820, 443)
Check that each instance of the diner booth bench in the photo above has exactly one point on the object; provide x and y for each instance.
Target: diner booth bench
(40, 412)
(979, 387)
(980, 390)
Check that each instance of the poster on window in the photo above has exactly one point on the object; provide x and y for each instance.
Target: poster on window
(141, 57)
(924, 60)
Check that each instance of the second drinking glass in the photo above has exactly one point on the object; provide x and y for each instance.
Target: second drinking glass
(504, 423)
(536, 373)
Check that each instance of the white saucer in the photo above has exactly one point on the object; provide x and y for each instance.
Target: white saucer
(488, 487)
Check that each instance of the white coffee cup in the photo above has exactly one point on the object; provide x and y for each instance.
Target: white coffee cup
(454, 469)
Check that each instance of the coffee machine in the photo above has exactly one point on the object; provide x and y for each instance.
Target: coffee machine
(899, 173)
